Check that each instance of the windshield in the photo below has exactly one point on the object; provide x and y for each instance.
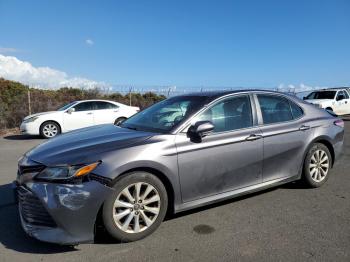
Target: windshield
(66, 106)
(165, 115)
(322, 95)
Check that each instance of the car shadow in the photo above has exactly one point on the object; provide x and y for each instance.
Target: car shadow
(21, 137)
(12, 235)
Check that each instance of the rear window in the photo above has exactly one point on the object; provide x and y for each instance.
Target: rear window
(297, 112)
(274, 109)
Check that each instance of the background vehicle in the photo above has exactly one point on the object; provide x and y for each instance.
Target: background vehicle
(78, 114)
(216, 146)
(336, 100)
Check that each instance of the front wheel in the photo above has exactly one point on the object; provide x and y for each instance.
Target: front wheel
(317, 165)
(136, 208)
(49, 129)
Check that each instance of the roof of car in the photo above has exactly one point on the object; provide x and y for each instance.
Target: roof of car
(96, 100)
(216, 94)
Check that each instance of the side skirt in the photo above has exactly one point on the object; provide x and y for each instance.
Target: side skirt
(234, 193)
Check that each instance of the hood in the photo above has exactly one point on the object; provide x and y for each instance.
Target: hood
(318, 101)
(85, 145)
(40, 114)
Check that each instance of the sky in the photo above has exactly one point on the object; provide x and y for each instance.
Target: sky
(177, 43)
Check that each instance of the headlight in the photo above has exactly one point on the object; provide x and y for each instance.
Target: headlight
(31, 119)
(66, 172)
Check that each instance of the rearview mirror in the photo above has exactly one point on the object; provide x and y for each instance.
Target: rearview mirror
(199, 130)
(70, 110)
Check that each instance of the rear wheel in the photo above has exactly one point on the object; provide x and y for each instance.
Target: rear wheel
(317, 165)
(136, 208)
(49, 129)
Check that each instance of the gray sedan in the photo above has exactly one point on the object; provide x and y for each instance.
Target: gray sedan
(181, 153)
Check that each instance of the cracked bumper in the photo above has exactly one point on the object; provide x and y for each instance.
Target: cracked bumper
(61, 213)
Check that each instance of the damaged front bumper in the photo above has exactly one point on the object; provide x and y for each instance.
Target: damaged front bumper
(61, 213)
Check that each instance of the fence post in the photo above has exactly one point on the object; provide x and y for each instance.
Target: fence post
(29, 102)
(130, 95)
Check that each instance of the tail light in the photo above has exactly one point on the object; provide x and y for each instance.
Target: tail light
(339, 123)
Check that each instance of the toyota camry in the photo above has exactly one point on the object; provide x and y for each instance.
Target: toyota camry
(181, 153)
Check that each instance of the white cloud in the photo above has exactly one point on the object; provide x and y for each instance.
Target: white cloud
(5, 50)
(14, 69)
(298, 88)
(89, 42)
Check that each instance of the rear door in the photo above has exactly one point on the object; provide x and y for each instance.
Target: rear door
(105, 112)
(81, 117)
(285, 134)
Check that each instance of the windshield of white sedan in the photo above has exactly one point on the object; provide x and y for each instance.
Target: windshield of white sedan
(165, 115)
(66, 106)
(322, 95)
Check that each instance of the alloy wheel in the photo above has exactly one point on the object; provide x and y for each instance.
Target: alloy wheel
(136, 208)
(319, 165)
(50, 130)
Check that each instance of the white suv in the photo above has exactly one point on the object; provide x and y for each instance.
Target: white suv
(76, 115)
(336, 100)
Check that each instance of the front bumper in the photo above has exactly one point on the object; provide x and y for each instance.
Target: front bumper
(61, 213)
(31, 128)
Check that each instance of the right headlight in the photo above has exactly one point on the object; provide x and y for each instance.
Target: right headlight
(31, 119)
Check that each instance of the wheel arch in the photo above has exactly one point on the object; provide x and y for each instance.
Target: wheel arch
(162, 177)
(325, 141)
(54, 121)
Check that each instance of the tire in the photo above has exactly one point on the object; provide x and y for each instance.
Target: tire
(148, 213)
(317, 166)
(119, 120)
(50, 129)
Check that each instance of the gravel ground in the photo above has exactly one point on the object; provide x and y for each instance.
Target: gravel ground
(287, 223)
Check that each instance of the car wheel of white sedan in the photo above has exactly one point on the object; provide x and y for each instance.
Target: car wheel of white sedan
(50, 129)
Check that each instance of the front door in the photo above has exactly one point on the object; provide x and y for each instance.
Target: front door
(227, 159)
(342, 103)
(81, 117)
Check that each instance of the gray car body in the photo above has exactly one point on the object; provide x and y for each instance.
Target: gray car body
(223, 165)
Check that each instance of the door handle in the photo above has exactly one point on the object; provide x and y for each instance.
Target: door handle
(89, 113)
(253, 137)
(303, 128)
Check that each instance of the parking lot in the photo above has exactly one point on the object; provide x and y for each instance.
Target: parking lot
(288, 223)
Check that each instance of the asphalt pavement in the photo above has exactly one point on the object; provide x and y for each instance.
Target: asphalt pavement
(288, 223)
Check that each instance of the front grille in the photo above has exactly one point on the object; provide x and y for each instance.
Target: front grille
(32, 210)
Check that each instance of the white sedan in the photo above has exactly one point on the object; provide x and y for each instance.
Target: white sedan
(76, 115)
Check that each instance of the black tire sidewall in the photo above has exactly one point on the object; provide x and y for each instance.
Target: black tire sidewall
(306, 174)
(128, 179)
(49, 122)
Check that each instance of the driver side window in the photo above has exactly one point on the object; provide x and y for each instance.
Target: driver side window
(229, 114)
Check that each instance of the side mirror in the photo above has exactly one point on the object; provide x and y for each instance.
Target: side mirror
(70, 110)
(339, 98)
(199, 130)
(304, 98)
